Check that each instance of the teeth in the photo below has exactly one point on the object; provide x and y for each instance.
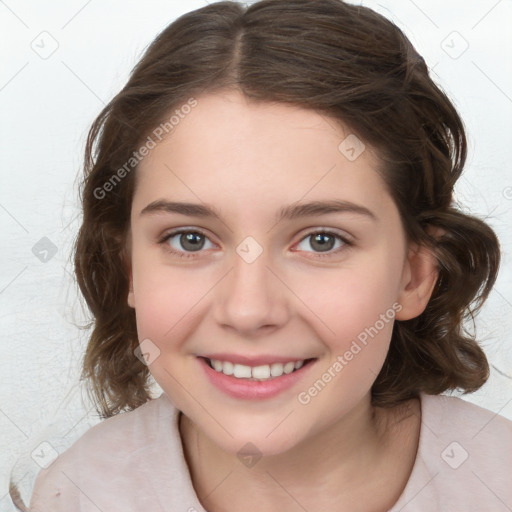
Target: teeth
(241, 371)
(276, 370)
(217, 364)
(289, 367)
(227, 367)
(263, 372)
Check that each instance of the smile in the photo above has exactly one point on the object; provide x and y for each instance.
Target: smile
(261, 372)
(256, 381)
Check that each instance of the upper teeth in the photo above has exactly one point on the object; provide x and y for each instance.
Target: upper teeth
(264, 371)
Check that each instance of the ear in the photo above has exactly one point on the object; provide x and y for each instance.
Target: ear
(131, 295)
(126, 258)
(418, 280)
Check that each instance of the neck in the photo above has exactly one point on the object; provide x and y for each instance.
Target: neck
(340, 466)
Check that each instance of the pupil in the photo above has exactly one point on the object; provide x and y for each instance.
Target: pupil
(321, 241)
(192, 239)
(325, 242)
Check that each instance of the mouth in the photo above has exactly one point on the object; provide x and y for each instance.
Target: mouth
(259, 373)
(254, 383)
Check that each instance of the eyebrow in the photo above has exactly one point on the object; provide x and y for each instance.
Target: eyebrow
(289, 212)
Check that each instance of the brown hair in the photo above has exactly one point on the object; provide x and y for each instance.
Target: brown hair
(341, 60)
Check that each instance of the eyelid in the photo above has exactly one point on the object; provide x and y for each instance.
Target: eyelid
(177, 231)
(345, 238)
(313, 230)
(185, 229)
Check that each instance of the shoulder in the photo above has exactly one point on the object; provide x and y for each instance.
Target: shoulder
(468, 429)
(472, 432)
(111, 459)
(450, 412)
(121, 436)
(463, 459)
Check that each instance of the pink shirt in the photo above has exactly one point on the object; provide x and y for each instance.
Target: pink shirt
(134, 462)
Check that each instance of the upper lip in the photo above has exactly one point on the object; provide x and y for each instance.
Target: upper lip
(253, 361)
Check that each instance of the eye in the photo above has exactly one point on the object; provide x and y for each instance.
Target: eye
(324, 242)
(184, 241)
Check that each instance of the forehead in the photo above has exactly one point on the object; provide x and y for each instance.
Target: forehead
(228, 149)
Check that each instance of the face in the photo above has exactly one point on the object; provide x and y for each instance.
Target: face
(218, 273)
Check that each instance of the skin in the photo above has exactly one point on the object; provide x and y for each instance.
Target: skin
(248, 160)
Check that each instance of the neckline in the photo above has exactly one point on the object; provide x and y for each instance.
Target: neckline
(403, 499)
(418, 467)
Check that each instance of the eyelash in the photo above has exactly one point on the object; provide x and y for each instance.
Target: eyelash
(163, 241)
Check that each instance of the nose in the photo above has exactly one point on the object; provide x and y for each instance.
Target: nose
(251, 300)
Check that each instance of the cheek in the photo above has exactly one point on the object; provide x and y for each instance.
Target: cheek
(347, 301)
(359, 309)
(170, 303)
(167, 299)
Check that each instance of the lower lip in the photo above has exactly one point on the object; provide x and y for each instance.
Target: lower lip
(252, 389)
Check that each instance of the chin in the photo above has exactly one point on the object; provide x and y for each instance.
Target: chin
(271, 436)
(244, 445)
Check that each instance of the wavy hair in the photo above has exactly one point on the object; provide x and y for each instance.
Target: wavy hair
(341, 60)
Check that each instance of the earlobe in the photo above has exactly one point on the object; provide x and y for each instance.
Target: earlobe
(126, 258)
(131, 294)
(131, 298)
(419, 279)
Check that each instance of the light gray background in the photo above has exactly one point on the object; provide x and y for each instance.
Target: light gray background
(47, 104)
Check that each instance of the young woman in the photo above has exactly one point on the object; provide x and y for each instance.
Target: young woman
(269, 233)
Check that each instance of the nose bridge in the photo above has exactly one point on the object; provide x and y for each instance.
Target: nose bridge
(251, 296)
